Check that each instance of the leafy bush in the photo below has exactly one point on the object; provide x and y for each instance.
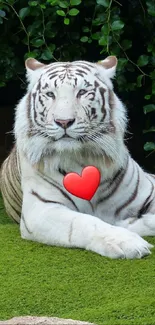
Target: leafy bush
(66, 30)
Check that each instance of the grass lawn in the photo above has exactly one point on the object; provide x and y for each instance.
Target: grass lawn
(50, 281)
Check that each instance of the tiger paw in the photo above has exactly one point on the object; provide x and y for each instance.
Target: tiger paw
(120, 243)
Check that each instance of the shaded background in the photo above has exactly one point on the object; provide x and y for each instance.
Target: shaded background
(89, 30)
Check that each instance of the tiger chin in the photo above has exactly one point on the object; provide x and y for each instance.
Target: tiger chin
(69, 118)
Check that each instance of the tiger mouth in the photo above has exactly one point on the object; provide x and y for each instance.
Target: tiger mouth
(66, 136)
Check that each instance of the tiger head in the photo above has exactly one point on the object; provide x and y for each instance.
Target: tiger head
(70, 106)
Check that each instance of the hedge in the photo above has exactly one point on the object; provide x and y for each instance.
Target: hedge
(64, 30)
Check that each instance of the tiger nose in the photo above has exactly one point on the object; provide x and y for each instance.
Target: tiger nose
(65, 123)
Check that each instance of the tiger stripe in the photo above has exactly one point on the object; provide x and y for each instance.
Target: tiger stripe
(39, 197)
(12, 194)
(131, 198)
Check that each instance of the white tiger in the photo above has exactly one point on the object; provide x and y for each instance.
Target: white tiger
(70, 118)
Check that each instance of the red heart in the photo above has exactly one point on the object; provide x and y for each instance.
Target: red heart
(83, 186)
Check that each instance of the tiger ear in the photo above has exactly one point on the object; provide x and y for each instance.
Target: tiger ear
(110, 64)
(34, 69)
(33, 64)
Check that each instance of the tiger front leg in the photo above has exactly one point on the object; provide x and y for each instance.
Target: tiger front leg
(143, 226)
(55, 224)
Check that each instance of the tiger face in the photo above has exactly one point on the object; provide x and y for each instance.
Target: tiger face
(69, 105)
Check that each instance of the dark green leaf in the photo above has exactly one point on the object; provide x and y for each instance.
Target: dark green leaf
(152, 75)
(150, 47)
(84, 39)
(131, 86)
(30, 55)
(139, 80)
(2, 13)
(104, 3)
(2, 84)
(60, 13)
(149, 146)
(97, 21)
(66, 21)
(149, 108)
(126, 44)
(47, 55)
(151, 8)
(75, 2)
(85, 29)
(53, 2)
(117, 24)
(37, 42)
(143, 60)
(153, 87)
(24, 12)
(152, 129)
(73, 12)
(33, 3)
(105, 29)
(103, 40)
(122, 63)
(42, 6)
(51, 47)
(96, 35)
(63, 4)
(147, 97)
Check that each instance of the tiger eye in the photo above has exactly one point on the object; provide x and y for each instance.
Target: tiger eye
(81, 92)
(50, 94)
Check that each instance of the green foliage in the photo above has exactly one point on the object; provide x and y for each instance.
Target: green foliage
(51, 30)
(149, 146)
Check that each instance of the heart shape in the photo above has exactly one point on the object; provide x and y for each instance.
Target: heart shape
(83, 186)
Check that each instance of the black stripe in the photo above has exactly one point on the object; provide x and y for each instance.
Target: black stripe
(79, 74)
(87, 83)
(44, 200)
(96, 84)
(116, 181)
(45, 86)
(111, 99)
(56, 72)
(22, 217)
(55, 83)
(83, 67)
(93, 111)
(29, 112)
(11, 190)
(54, 75)
(15, 175)
(146, 203)
(131, 198)
(111, 105)
(55, 66)
(91, 206)
(62, 192)
(102, 91)
(16, 212)
(41, 102)
(62, 171)
(85, 63)
(80, 71)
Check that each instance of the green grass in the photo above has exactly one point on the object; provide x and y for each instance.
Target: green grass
(39, 280)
